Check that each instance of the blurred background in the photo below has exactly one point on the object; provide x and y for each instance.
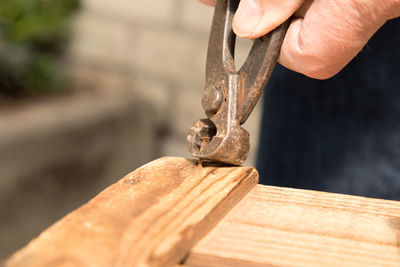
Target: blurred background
(89, 91)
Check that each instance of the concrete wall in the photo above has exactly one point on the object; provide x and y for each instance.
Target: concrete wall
(139, 70)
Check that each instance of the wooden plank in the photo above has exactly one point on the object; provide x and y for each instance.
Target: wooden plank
(152, 217)
(287, 227)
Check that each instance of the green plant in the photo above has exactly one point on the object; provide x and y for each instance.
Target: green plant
(32, 37)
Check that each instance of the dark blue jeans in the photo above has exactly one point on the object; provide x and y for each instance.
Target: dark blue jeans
(341, 134)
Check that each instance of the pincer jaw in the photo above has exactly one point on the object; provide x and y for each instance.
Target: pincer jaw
(206, 142)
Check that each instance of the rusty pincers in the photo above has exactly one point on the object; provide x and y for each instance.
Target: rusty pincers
(230, 95)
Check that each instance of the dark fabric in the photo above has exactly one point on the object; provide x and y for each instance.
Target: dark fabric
(341, 134)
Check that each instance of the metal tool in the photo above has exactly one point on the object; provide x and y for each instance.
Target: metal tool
(230, 95)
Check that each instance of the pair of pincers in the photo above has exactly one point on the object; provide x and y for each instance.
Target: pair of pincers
(230, 96)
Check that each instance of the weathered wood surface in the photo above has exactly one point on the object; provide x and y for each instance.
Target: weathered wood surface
(152, 217)
(286, 227)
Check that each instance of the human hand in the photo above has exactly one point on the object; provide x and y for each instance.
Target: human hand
(324, 36)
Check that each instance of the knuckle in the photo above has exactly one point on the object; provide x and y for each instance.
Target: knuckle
(320, 73)
(312, 64)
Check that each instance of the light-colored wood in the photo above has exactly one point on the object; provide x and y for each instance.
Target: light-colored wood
(287, 227)
(152, 217)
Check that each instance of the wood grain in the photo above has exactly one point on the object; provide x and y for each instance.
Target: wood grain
(152, 217)
(287, 227)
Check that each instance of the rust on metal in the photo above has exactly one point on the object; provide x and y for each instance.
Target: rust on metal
(230, 96)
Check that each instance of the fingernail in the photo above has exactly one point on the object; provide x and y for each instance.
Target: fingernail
(247, 17)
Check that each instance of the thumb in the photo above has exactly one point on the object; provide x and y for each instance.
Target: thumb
(254, 18)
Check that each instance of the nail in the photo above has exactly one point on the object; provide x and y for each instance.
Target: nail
(247, 17)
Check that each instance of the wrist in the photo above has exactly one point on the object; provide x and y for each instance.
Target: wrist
(390, 8)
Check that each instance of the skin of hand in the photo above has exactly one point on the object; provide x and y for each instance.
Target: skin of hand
(324, 36)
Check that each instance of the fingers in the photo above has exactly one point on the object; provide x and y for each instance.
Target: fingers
(254, 18)
(330, 35)
(208, 2)
(324, 36)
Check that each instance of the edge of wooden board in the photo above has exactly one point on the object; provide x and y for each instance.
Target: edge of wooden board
(151, 217)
